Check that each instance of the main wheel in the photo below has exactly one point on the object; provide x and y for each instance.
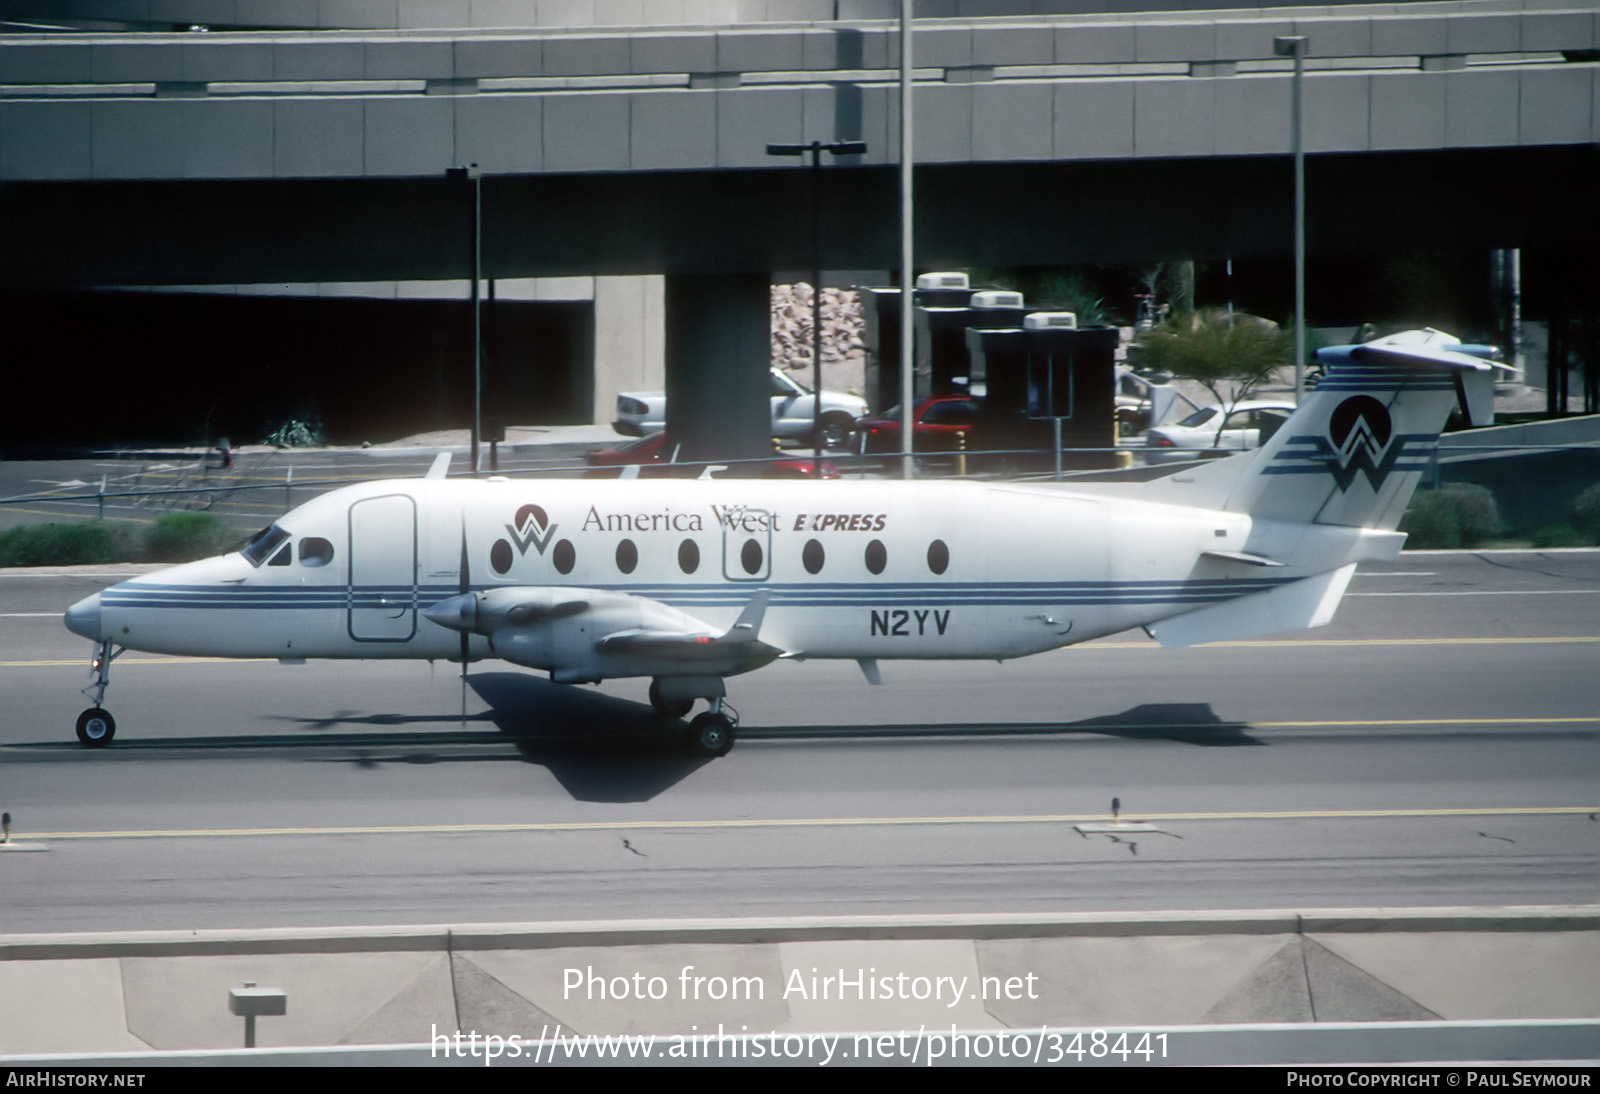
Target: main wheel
(667, 708)
(711, 734)
(834, 430)
(96, 727)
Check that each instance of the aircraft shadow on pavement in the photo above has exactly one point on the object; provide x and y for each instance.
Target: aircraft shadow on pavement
(599, 747)
(1184, 723)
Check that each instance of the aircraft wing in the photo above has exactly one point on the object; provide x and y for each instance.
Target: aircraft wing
(597, 633)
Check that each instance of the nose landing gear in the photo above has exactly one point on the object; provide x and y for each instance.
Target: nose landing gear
(96, 727)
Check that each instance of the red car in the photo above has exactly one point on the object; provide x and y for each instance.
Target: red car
(939, 423)
(661, 462)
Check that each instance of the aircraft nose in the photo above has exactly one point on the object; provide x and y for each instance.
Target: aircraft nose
(84, 617)
(458, 613)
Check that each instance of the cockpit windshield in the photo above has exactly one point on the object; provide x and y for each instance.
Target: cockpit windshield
(259, 547)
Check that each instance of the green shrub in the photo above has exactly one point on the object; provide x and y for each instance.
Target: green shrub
(174, 537)
(1432, 522)
(1586, 513)
(84, 543)
(184, 537)
(1476, 510)
(1458, 514)
(1559, 535)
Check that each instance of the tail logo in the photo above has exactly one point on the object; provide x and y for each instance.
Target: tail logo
(1361, 431)
(1361, 440)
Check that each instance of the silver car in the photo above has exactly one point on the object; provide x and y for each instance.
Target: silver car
(642, 413)
(1206, 432)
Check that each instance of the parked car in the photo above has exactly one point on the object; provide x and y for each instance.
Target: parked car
(1143, 401)
(1203, 433)
(658, 460)
(938, 423)
(642, 413)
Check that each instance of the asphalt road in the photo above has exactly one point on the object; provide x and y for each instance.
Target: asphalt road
(1436, 745)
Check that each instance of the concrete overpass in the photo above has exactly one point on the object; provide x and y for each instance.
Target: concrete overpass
(151, 158)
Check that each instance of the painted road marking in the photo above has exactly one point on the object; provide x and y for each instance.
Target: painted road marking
(818, 822)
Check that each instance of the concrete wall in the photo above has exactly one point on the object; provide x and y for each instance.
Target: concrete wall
(486, 14)
(232, 106)
(629, 339)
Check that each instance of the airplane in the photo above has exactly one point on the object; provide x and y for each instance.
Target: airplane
(689, 582)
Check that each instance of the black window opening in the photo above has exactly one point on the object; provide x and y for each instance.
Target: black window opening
(565, 556)
(627, 556)
(750, 557)
(315, 551)
(938, 556)
(259, 547)
(284, 556)
(877, 556)
(813, 556)
(688, 556)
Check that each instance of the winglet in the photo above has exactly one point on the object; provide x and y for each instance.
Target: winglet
(440, 467)
(748, 625)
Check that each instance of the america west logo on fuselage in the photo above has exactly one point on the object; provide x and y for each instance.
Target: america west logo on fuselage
(532, 528)
(1360, 441)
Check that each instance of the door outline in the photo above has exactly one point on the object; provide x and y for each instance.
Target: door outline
(364, 618)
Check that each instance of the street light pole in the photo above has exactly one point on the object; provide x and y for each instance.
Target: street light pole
(471, 173)
(1295, 46)
(907, 279)
(816, 148)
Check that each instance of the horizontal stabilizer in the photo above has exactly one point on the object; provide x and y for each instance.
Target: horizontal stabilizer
(1307, 603)
(1243, 556)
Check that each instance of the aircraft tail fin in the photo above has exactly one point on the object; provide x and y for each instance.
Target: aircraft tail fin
(1358, 445)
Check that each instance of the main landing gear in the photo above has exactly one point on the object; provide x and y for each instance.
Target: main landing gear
(668, 707)
(711, 733)
(96, 727)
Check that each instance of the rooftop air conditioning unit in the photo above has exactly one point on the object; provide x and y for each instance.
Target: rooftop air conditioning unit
(942, 281)
(997, 298)
(1050, 320)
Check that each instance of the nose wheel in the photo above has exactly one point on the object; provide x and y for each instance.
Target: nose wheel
(96, 727)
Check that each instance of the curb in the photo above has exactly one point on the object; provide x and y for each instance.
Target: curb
(530, 936)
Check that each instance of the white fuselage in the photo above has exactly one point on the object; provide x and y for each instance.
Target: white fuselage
(852, 570)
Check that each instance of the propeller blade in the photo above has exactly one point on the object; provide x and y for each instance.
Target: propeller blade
(465, 587)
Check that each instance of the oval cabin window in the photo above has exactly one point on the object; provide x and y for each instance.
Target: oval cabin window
(877, 556)
(627, 556)
(938, 556)
(750, 557)
(315, 551)
(812, 556)
(565, 556)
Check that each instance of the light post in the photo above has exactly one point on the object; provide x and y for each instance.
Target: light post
(1295, 46)
(471, 173)
(907, 280)
(816, 148)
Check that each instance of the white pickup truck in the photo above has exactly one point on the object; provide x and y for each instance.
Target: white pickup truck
(642, 413)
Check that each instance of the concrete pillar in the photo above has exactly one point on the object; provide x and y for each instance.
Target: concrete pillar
(629, 340)
(719, 351)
